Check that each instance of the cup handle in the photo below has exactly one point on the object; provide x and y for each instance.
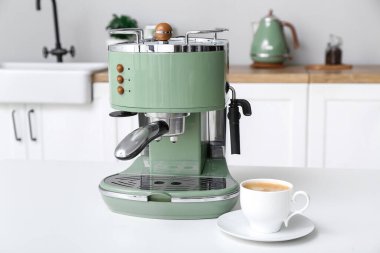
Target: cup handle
(300, 211)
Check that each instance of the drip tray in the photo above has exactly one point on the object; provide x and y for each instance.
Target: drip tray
(137, 192)
(168, 183)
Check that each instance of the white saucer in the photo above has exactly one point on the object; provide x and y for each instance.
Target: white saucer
(235, 224)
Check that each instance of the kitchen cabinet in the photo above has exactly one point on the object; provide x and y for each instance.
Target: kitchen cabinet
(275, 134)
(13, 128)
(59, 132)
(19, 131)
(79, 132)
(344, 126)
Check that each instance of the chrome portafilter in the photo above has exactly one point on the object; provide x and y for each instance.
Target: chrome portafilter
(175, 121)
(135, 142)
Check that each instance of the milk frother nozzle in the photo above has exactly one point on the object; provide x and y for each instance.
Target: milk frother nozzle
(234, 117)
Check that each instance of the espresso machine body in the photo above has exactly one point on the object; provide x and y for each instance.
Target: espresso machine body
(169, 82)
(177, 87)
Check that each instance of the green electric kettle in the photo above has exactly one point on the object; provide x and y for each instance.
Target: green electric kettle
(269, 43)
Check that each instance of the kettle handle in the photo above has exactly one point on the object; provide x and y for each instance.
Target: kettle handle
(296, 43)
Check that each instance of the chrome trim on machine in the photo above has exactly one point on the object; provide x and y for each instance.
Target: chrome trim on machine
(175, 121)
(173, 199)
(179, 44)
(214, 31)
(174, 45)
(206, 199)
(123, 195)
(265, 55)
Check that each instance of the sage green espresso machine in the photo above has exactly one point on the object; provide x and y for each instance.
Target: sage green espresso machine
(177, 88)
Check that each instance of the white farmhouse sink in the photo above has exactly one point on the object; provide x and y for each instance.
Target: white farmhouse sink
(58, 83)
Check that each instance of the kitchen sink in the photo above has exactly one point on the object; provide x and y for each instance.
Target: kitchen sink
(42, 83)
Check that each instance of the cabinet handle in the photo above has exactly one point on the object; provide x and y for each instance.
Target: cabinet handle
(14, 126)
(30, 125)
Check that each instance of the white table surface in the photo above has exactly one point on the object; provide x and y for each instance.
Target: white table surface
(56, 207)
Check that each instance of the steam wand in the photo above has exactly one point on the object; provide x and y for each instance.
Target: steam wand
(234, 117)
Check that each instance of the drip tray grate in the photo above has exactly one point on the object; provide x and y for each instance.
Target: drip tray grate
(168, 183)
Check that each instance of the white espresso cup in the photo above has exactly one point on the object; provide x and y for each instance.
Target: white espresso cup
(265, 209)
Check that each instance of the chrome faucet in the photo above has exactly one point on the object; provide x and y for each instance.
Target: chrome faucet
(58, 51)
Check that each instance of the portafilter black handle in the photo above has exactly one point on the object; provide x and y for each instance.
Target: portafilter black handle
(234, 117)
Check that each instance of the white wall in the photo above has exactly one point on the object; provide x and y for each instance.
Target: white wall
(23, 30)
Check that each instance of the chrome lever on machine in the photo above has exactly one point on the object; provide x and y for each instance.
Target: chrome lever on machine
(234, 117)
(136, 141)
(214, 31)
(136, 31)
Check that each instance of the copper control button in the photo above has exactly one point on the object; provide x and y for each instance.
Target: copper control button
(120, 90)
(119, 68)
(120, 79)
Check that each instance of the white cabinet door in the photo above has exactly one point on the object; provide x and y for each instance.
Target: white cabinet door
(344, 126)
(13, 137)
(79, 132)
(275, 134)
(6, 134)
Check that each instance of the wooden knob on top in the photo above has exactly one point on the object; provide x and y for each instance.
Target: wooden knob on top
(163, 32)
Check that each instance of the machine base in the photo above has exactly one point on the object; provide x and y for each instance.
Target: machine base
(136, 192)
(169, 210)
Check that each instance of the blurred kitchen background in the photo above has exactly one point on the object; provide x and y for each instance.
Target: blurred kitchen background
(24, 30)
(301, 118)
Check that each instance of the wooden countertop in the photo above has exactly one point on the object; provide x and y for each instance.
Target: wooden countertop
(100, 77)
(291, 74)
(246, 74)
(358, 74)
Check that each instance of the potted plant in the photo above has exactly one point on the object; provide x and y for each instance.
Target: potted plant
(118, 22)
